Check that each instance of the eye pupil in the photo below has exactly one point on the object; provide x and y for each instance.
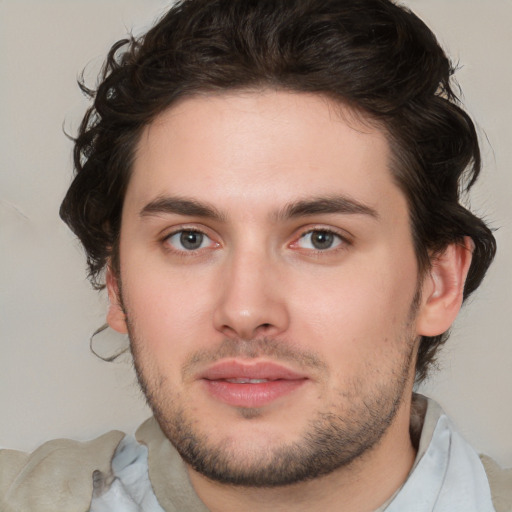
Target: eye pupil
(191, 240)
(322, 239)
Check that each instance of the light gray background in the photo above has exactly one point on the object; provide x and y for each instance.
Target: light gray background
(50, 384)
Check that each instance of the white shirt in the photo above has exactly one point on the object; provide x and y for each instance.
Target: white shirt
(447, 476)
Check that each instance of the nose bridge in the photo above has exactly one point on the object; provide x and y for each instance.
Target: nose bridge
(251, 302)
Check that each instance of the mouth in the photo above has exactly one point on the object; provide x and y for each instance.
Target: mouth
(246, 381)
(253, 385)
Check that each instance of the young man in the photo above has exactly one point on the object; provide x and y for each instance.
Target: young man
(270, 190)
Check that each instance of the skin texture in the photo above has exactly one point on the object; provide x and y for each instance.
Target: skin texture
(304, 261)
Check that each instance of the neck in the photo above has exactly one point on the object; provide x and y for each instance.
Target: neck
(383, 469)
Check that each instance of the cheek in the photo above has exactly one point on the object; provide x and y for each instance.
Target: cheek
(169, 311)
(358, 310)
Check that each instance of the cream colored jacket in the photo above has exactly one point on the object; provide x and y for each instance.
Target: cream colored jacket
(58, 475)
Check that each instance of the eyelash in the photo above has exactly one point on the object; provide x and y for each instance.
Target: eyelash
(344, 241)
(183, 252)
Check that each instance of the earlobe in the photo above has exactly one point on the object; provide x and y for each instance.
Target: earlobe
(443, 288)
(116, 317)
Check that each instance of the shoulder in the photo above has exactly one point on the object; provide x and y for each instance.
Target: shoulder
(500, 481)
(56, 476)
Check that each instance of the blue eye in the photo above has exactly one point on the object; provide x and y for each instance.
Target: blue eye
(319, 240)
(189, 240)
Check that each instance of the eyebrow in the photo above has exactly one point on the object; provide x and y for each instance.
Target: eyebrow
(325, 205)
(181, 206)
(302, 208)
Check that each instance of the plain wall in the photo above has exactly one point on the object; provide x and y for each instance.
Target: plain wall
(51, 385)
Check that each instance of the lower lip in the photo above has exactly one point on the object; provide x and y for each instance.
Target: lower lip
(251, 395)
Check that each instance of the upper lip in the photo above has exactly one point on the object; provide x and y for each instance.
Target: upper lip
(259, 370)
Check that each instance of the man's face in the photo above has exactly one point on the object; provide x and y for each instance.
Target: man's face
(269, 283)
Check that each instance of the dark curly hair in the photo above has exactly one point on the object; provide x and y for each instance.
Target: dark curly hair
(372, 55)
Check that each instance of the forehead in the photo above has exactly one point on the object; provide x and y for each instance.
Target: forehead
(275, 146)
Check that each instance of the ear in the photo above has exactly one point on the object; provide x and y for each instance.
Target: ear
(443, 287)
(116, 317)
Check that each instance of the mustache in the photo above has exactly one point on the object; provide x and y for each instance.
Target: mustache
(252, 349)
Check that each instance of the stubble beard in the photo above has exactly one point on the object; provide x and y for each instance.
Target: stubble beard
(334, 438)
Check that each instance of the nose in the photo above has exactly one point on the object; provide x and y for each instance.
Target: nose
(251, 299)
